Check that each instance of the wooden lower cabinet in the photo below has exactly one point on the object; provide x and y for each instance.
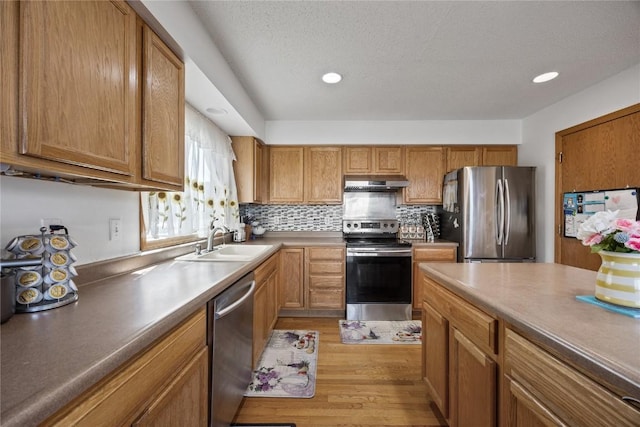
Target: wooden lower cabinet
(325, 277)
(481, 371)
(166, 385)
(312, 280)
(459, 357)
(265, 304)
(542, 390)
(428, 254)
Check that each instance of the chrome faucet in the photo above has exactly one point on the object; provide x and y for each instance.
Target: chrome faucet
(212, 234)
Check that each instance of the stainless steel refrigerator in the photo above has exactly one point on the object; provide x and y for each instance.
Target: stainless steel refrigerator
(490, 212)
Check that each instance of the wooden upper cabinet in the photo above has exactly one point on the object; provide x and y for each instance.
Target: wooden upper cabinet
(323, 174)
(286, 174)
(78, 86)
(481, 155)
(424, 169)
(499, 155)
(163, 112)
(378, 160)
(463, 155)
(250, 169)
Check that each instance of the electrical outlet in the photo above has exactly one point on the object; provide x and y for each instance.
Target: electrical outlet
(327, 220)
(115, 228)
(276, 220)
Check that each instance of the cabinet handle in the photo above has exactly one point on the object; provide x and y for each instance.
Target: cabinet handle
(632, 401)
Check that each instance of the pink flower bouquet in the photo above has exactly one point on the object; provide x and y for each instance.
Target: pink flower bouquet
(603, 231)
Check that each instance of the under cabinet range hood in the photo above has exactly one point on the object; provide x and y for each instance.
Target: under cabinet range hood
(374, 182)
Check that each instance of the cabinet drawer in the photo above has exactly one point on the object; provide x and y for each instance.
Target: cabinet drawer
(434, 254)
(326, 254)
(116, 399)
(326, 298)
(334, 268)
(266, 268)
(568, 394)
(324, 282)
(477, 325)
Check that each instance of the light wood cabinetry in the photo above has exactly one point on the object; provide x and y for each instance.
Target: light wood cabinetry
(305, 174)
(427, 254)
(312, 280)
(377, 160)
(165, 385)
(478, 155)
(469, 394)
(291, 286)
(251, 169)
(265, 304)
(323, 175)
(543, 390)
(286, 174)
(91, 90)
(162, 112)
(325, 277)
(424, 168)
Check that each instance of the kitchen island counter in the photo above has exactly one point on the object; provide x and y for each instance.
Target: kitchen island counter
(540, 301)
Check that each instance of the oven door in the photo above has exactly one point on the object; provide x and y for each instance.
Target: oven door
(378, 276)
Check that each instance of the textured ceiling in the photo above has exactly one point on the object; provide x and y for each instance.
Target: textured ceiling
(419, 60)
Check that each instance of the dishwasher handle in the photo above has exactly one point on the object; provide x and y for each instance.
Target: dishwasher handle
(221, 313)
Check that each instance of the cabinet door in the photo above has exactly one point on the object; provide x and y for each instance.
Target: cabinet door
(249, 169)
(435, 352)
(357, 160)
(388, 160)
(291, 287)
(77, 86)
(427, 255)
(323, 174)
(524, 410)
(461, 156)
(185, 400)
(286, 175)
(163, 112)
(260, 327)
(9, 36)
(425, 172)
(473, 384)
(500, 155)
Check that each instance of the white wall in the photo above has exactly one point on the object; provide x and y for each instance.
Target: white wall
(84, 210)
(538, 140)
(433, 132)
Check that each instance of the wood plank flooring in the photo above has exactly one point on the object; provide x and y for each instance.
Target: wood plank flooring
(357, 385)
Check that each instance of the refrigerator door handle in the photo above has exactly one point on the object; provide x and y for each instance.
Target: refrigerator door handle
(500, 211)
(508, 211)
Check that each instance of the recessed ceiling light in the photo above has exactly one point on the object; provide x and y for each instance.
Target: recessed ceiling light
(545, 77)
(216, 111)
(331, 78)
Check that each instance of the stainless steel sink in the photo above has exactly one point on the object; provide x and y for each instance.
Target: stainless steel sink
(228, 253)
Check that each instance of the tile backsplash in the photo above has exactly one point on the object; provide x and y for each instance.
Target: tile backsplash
(314, 217)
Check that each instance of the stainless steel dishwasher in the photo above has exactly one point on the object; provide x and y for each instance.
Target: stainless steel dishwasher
(230, 338)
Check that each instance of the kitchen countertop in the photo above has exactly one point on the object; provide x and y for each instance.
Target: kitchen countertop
(49, 358)
(539, 300)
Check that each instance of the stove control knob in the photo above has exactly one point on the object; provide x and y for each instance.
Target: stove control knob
(348, 225)
(386, 225)
(355, 225)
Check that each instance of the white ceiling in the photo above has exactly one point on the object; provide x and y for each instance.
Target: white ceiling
(419, 60)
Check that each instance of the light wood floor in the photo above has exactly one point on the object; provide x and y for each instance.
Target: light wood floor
(357, 385)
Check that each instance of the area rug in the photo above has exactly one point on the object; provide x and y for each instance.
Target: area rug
(287, 367)
(380, 331)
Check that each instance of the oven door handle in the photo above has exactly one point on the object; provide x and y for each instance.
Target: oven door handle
(380, 253)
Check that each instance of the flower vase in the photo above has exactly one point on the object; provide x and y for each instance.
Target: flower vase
(618, 279)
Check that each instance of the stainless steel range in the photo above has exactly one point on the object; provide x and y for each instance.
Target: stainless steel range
(378, 278)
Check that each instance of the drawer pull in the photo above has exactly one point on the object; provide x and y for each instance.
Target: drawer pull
(632, 400)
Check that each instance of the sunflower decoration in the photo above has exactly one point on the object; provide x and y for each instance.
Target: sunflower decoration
(181, 214)
(163, 208)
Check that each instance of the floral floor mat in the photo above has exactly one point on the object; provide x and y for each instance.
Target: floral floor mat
(380, 331)
(287, 367)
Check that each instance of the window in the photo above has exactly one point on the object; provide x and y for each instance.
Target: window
(209, 196)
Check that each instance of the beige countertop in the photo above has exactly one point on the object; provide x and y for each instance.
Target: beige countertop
(539, 299)
(49, 358)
